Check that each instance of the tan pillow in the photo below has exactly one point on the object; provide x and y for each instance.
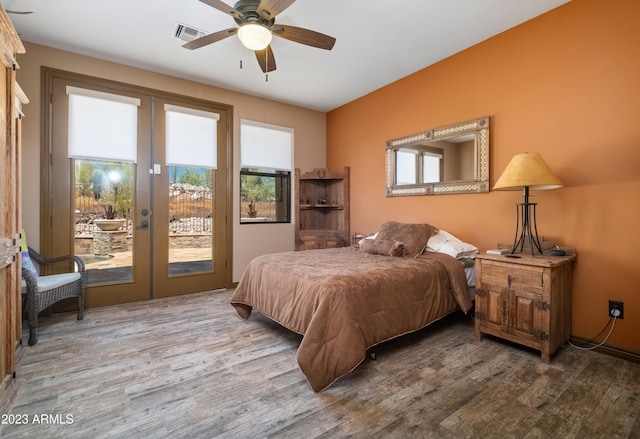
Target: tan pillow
(414, 236)
(384, 247)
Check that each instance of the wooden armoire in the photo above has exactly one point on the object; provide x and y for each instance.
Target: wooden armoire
(11, 100)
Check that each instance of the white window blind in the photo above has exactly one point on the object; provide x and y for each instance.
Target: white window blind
(191, 137)
(406, 166)
(102, 125)
(431, 167)
(265, 146)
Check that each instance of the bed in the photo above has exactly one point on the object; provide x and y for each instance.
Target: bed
(344, 301)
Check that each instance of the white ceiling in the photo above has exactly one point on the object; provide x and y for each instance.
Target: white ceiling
(378, 42)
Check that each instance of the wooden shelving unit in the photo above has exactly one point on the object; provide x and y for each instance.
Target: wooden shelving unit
(322, 209)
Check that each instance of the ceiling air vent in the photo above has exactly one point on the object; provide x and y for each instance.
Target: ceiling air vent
(187, 33)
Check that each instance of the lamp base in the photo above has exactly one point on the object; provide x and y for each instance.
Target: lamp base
(526, 229)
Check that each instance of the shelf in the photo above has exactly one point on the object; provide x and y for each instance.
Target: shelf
(322, 231)
(322, 206)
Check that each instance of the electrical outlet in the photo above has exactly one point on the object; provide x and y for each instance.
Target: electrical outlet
(616, 307)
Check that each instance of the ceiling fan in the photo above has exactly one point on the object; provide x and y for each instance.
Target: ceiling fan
(256, 19)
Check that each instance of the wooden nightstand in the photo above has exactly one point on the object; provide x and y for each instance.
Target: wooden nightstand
(525, 300)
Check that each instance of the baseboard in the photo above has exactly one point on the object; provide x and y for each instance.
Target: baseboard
(608, 350)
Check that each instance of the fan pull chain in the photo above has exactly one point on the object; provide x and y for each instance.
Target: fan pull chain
(240, 64)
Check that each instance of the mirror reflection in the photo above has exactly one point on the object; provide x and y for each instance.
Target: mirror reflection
(447, 160)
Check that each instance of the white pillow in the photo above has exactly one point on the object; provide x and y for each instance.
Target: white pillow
(458, 250)
(367, 237)
(445, 242)
(439, 238)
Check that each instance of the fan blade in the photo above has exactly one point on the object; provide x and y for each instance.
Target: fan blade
(223, 7)
(19, 12)
(304, 36)
(268, 9)
(266, 59)
(211, 38)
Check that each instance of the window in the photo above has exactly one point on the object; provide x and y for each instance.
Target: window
(265, 173)
(264, 196)
(406, 161)
(419, 165)
(432, 164)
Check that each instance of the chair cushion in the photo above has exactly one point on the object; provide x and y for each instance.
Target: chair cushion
(46, 283)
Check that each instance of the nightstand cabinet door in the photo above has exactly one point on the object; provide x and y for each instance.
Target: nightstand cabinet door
(495, 307)
(526, 314)
(525, 300)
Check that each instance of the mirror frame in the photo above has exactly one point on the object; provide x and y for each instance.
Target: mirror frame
(477, 127)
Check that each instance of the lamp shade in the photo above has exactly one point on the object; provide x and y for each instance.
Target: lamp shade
(527, 170)
(254, 36)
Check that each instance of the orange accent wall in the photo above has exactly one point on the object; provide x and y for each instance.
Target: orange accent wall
(565, 84)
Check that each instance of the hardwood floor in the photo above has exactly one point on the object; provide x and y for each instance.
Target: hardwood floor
(188, 367)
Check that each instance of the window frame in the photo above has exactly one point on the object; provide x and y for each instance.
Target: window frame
(283, 195)
(282, 187)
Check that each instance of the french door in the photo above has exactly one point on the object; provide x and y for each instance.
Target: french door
(148, 219)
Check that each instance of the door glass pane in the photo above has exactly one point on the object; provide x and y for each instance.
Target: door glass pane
(191, 219)
(103, 208)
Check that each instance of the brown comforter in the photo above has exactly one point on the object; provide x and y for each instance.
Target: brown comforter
(344, 301)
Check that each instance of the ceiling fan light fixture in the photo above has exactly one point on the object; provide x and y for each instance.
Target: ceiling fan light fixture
(254, 36)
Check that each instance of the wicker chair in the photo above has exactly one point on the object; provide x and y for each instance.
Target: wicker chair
(44, 291)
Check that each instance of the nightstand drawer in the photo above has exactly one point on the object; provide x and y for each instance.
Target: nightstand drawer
(514, 276)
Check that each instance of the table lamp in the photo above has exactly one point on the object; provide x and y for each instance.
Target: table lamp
(527, 171)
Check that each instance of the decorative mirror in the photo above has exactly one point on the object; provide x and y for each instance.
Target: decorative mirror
(453, 159)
